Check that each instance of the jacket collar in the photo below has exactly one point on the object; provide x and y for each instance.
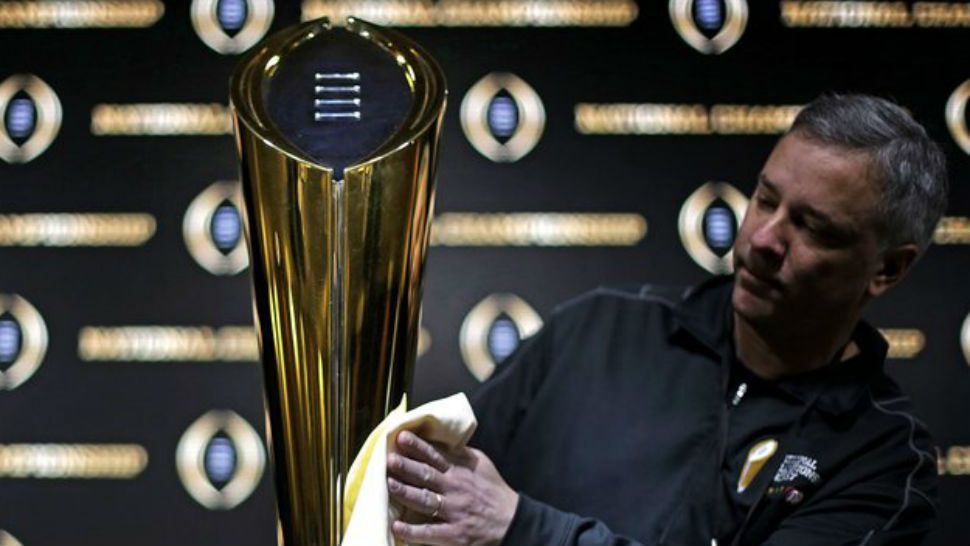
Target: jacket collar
(705, 314)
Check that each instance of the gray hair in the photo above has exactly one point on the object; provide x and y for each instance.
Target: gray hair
(910, 167)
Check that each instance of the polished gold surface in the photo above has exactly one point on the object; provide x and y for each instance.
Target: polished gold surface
(337, 277)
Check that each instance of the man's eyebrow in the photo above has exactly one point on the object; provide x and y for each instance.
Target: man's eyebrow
(821, 216)
(826, 221)
(763, 180)
(806, 209)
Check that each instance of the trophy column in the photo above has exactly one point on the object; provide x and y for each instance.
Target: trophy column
(337, 131)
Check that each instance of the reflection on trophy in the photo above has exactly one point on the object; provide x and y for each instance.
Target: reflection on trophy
(337, 131)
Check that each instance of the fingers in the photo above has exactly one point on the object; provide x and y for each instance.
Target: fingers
(420, 500)
(432, 534)
(413, 446)
(413, 472)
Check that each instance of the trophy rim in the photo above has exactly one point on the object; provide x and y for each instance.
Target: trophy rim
(428, 85)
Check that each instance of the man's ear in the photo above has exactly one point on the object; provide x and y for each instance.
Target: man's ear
(896, 263)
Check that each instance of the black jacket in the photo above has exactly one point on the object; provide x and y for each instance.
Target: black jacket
(624, 422)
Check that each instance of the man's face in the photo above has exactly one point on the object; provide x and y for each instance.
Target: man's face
(808, 246)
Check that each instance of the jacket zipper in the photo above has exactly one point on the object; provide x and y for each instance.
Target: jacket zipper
(722, 447)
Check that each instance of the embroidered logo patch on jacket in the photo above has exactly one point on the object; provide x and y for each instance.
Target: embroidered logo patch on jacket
(794, 467)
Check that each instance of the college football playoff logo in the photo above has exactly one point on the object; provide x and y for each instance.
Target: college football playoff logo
(220, 459)
(213, 230)
(965, 339)
(6, 539)
(956, 115)
(492, 331)
(709, 26)
(231, 26)
(23, 341)
(502, 117)
(31, 117)
(708, 224)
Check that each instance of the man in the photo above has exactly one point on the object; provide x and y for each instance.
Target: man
(752, 410)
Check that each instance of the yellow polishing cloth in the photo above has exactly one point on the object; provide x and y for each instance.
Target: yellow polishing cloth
(368, 512)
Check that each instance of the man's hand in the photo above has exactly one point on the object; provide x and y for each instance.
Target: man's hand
(466, 501)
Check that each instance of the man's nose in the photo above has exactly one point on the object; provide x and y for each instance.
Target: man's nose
(769, 238)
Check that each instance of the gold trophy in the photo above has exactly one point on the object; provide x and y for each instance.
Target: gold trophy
(337, 131)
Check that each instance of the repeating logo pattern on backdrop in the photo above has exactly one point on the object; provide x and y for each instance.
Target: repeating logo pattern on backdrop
(220, 459)
(31, 117)
(708, 224)
(6, 539)
(502, 117)
(23, 341)
(965, 338)
(709, 26)
(492, 331)
(231, 26)
(212, 229)
(956, 115)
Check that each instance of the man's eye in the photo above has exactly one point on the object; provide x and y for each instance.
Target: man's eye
(813, 229)
(764, 202)
(824, 235)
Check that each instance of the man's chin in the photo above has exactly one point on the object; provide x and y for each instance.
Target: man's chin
(749, 305)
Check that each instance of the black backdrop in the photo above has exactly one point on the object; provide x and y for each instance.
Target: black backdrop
(147, 400)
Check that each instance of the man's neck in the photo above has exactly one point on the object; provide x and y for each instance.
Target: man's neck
(776, 354)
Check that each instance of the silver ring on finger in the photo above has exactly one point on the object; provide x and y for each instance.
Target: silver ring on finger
(437, 508)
